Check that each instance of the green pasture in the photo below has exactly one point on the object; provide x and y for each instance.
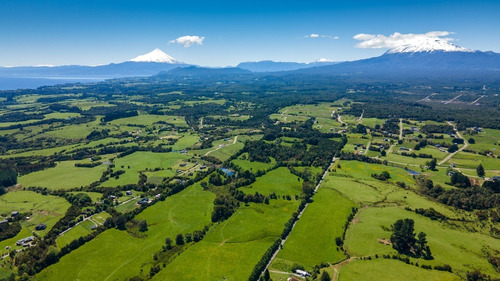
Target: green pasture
(139, 162)
(65, 175)
(46, 209)
(280, 181)
(463, 250)
(232, 248)
(390, 270)
(118, 255)
(312, 240)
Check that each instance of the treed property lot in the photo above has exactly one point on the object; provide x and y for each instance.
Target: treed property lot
(234, 171)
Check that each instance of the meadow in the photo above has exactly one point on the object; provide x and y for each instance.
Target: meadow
(44, 209)
(251, 230)
(116, 254)
(327, 215)
(65, 175)
(140, 161)
(279, 181)
(390, 270)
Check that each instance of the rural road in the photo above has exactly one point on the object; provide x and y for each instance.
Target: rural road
(334, 159)
(221, 146)
(460, 149)
(91, 219)
(400, 128)
(453, 99)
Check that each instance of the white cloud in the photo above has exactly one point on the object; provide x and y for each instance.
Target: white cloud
(397, 39)
(188, 41)
(315, 35)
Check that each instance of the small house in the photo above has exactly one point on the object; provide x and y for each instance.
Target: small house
(93, 227)
(40, 226)
(129, 192)
(15, 213)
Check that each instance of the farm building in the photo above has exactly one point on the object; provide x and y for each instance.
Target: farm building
(302, 273)
(24, 241)
(40, 226)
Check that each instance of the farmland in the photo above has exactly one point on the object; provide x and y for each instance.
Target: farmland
(165, 183)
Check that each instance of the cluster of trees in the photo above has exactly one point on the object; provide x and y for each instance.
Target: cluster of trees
(181, 239)
(403, 239)
(8, 177)
(468, 198)
(224, 206)
(79, 199)
(460, 180)
(9, 230)
(383, 176)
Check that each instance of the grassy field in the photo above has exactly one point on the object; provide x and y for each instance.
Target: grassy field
(117, 255)
(242, 240)
(360, 170)
(139, 161)
(312, 240)
(44, 209)
(462, 250)
(390, 270)
(471, 161)
(251, 166)
(64, 175)
(81, 229)
(489, 140)
(280, 181)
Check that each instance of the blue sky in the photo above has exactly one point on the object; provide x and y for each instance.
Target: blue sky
(93, 32)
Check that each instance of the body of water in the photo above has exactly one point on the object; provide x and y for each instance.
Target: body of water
(10, 83)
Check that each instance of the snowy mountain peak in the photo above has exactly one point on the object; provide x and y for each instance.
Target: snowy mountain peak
(323, 60)
(156, 55)
(428, 45)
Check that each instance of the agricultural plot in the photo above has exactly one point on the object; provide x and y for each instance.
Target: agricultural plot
(44, 209)
(251, 230)
(471, 161)
(65, 175)
(118, 255)
(252, 166)
(142, 161)
(489, 140)
(462, 250)
(327, 214)
(279, 181)
(360, 170)
(390, 270)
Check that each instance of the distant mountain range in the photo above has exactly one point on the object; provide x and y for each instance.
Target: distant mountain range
(432, 58)
(144, 65)
(272, 66)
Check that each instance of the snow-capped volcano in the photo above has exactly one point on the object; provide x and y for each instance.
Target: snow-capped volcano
(429, 45)
(156, 55)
